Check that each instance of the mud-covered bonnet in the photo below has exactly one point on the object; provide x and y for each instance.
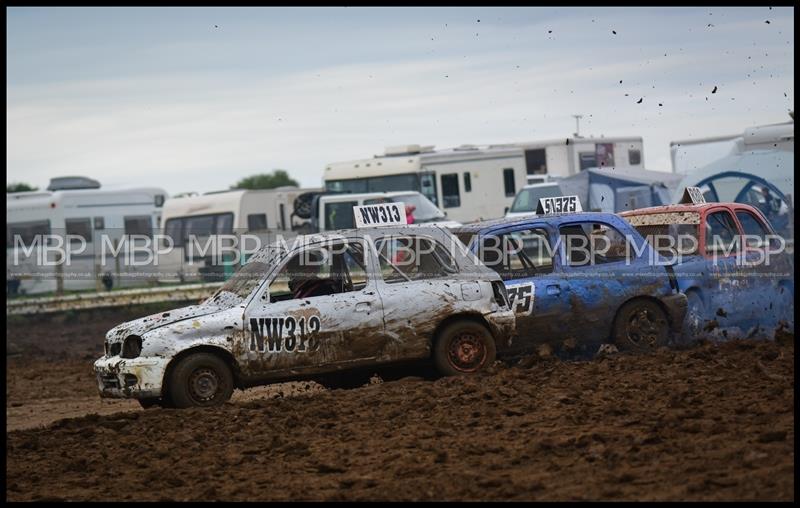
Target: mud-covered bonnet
(143, 325)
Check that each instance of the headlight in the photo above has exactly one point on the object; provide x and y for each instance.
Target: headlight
(132, 346)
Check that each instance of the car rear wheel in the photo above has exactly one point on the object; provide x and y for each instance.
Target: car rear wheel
(640, 325)
(463, 347)
(200, 380)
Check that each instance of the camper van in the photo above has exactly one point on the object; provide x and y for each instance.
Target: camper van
(192, 218)
(466, 182)
(76, 206)
(472, 182)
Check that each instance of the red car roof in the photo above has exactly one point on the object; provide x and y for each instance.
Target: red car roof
(689, 207)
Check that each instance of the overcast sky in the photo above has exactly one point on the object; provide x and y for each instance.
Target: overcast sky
(193, 99)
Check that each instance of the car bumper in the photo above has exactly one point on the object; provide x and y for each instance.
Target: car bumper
(137, 378)
(502, 323)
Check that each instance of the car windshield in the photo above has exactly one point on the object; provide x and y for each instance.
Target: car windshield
(425, 211)
(527, 199)
(248, 277)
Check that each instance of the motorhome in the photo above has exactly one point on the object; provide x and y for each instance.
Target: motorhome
(472, 182)
(76, 206)
(191, 219)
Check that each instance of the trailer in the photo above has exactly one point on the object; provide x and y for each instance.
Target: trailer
(96, 220)
(473, 182)
(190, 220)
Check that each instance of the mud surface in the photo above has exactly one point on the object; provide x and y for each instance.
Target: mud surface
(714, 422)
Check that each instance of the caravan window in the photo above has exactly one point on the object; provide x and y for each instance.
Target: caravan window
(138, 226)
(634, 157)
(179, 229)
(467, 182)
(407, 181)
(257, 222)
(450, 195)
(79, 228)
(588, 160)
(508, 182)
(536, 161)
(198, 226)
(27, 232)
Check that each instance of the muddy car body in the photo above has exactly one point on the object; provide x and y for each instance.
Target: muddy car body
(731, 264)
(571, 304)
(327, 303)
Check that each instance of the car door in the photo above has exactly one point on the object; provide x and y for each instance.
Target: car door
(320, 312)
(418, 287)
(720, 242)
(758, 300)
(524, 258)
(603, 272)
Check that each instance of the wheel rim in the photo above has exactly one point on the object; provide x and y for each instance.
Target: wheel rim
(204, 384)
(467, 352)
(644, 328)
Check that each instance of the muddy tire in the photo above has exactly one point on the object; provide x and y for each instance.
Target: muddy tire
(463, 347)
(200, 380)
(640, 325)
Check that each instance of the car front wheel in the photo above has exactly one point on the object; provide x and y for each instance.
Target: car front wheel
(200, 380)
(463, 347)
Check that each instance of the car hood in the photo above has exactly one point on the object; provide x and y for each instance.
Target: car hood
(153, 321)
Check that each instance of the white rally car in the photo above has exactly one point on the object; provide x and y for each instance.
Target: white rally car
(327, 305)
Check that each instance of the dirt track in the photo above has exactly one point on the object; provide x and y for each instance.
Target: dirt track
(713, 422)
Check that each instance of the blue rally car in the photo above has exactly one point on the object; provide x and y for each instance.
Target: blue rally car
(574, 299)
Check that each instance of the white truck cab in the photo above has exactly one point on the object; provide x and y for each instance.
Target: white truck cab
(528, 198)
(335, 211)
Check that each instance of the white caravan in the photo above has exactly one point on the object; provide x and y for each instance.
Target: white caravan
(479, 182)
(190, 220)
(77, 206)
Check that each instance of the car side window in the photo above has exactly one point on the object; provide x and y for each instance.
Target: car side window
(404, 258)
(517, 254)
(721, 233)
(592, 243)
(756, 232)
(321, 271)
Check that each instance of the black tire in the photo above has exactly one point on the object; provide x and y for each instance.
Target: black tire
(640, 325)
(463, 347)
(200, 380)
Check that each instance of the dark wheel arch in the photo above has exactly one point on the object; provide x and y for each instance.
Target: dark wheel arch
(223, 354)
